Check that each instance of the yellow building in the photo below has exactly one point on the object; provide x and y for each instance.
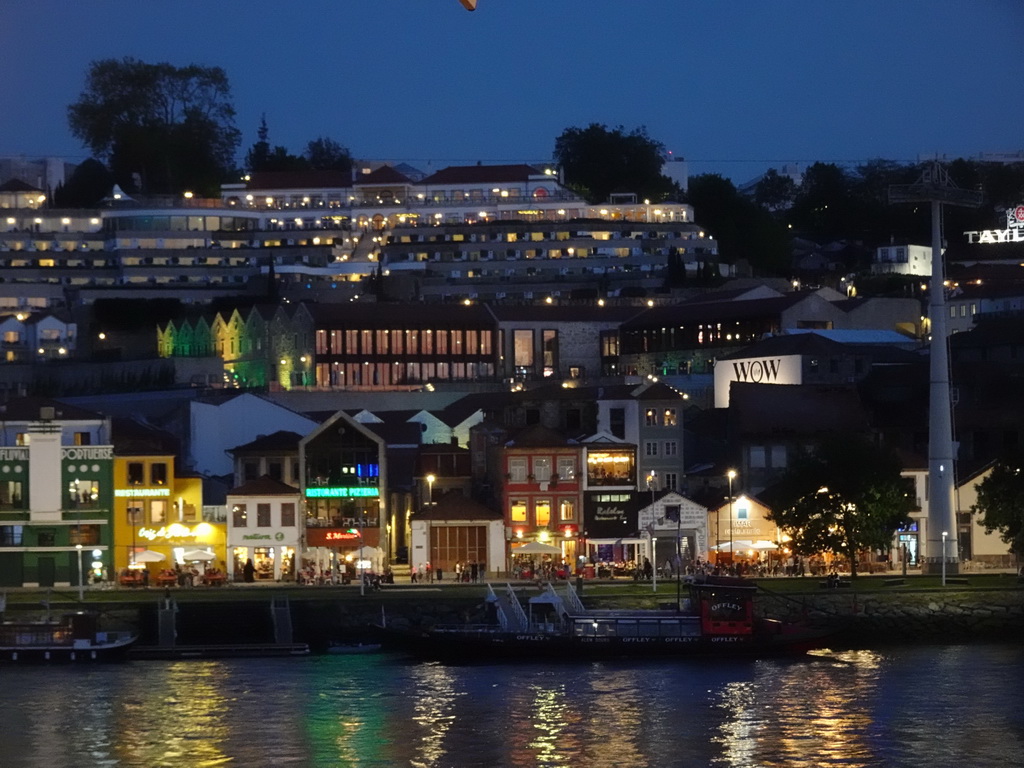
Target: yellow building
(156, 511)
(745, 527)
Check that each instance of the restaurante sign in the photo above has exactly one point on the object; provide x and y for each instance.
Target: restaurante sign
(172, 531)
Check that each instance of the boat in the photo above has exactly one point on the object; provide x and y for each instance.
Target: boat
(75, 637)
(717, 619)
(353, 648)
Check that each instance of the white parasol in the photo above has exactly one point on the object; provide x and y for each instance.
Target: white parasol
(148, 556)
(198, 554)
(536, 548)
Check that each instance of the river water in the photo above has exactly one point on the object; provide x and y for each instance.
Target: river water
(905, 707)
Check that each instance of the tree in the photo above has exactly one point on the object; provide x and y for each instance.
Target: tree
(774, 191)
(598, 162)
(258, 155)
(1001, 503)
(161, 128)
(325, 154)
(823, 203)
(88, 184)
(743, 231)
(845, 497)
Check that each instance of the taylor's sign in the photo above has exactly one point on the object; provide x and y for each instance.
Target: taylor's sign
(1014, 232)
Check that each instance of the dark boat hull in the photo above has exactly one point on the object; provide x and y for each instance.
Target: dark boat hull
(67, 654)
(475, 646)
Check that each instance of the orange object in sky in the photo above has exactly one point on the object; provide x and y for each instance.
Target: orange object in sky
(469, 5)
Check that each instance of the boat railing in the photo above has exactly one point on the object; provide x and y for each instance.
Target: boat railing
(514, 615)
(572, 600)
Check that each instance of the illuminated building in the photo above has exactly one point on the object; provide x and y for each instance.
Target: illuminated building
(155, 507)
(56, 494)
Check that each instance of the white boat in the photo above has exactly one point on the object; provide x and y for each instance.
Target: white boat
(75, 637)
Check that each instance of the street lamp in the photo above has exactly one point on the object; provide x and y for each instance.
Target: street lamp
(430, 489)
(731, 474)
(81, 580)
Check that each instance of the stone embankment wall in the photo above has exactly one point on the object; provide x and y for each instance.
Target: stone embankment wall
(905, 616)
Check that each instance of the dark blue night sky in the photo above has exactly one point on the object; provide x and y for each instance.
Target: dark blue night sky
(733, 87)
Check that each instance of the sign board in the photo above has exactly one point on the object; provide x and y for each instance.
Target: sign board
(782, 369)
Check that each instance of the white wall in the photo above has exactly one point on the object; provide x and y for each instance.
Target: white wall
(215, 428)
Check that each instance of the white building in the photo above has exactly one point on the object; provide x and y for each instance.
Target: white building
(265, 525)
(903, 260)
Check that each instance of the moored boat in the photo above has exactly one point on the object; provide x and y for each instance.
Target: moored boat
(75, 637)
(716, 620)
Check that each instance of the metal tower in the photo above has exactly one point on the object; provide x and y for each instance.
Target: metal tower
(941, 546)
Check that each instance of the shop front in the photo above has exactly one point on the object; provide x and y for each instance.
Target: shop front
(338, 555)
(173, 553)
(609, 542)
(677, 533)
(272, 559)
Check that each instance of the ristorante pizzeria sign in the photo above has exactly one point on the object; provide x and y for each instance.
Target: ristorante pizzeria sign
(1014, 232)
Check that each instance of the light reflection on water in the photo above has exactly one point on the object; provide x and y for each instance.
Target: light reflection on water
(931, 707)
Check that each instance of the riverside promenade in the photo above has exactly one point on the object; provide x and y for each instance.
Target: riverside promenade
(865, 611)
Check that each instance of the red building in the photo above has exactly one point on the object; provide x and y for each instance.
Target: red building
(542, 494)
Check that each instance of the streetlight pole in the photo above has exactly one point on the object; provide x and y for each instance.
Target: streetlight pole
(731, 474)
(81, 579)
(944, 535)
(654, 540)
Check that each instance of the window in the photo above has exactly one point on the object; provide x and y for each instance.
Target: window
(549, 348)
(11, 496)
(158, 473)
(566, 467)
(134, 513)
(670, 417)
(542, 511)
(617, 422)
(757, 457)
(288, 515)
(46, 537)
(518, 510)
(86, 535)
(650, 418)
(778, 456)
(262, 515)
(517, 469)
(542, 469)
(522, 348)
(275, 468)
(83, 438)
(84, 493)
(157, 512)
(239, 516)
(136, 475)
(650, 448)
(11, 535)
(671, 481)
(566, 511)
(250, 471)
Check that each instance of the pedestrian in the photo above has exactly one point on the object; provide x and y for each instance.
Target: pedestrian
(249, 572)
